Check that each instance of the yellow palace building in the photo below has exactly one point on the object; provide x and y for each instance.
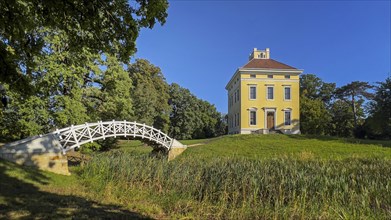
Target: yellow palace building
(263, 97)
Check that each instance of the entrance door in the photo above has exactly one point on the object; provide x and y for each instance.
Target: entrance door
(270, 120)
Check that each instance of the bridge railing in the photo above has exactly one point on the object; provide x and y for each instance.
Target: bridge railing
(74, 136)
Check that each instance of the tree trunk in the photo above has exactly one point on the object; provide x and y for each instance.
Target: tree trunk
(354, 111)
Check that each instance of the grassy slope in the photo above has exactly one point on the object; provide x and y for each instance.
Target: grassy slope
(30, 193)
(27, 193)
(297, 146)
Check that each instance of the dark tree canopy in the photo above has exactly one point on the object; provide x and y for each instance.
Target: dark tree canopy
(353, 91)
(102, 26)
(378, 123)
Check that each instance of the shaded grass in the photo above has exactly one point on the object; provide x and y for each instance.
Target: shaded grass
(27, 193)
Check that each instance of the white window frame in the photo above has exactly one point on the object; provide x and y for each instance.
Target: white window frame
(267, 92)
(249, 116)
(290, 93)
(249, 92)
(290, 114)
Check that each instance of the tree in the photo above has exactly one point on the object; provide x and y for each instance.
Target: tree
(313, 87)
(60, 79)
(315, 117)
(183, 120)
(109, 98)
(150, 94)
(379, 121)
(354, 94)
(192, 117)
(315, 101)
(98, 25)
(342, 123)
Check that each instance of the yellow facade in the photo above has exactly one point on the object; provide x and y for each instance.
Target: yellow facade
(273, 104)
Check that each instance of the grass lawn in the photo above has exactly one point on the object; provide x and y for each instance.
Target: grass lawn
(292, 146)
(233, 177)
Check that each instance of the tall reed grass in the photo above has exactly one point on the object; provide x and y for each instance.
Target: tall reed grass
(240, 188)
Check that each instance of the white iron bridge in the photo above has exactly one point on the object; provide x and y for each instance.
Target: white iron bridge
(48, 151)
(75, 136)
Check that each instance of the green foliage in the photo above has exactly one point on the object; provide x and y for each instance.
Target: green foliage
(342, 119)
(96, 25)
(150, 94)
(315, 118)
(109, 98)
(315, 98)
(327, 110)
(350, 93)
(24, 117)
(378, 124)
(192, 117)
(313, 87)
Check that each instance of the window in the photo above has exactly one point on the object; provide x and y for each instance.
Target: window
(237, 118)
(253, 92)
(270, 76)
(237, 94)
(252, 76)
(270, 92)
(253, 117)
(287, 93)
(287, 118)
(287, 76)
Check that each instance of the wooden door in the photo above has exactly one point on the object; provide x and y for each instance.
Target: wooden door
(270, 120)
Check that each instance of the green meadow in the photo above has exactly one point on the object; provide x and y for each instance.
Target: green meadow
(232, 177)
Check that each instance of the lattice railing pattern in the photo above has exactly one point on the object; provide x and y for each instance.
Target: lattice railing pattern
(75, 136)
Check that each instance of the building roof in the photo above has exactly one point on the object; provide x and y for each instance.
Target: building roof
(266, 64)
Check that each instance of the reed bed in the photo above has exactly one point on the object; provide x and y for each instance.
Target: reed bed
(242, 188)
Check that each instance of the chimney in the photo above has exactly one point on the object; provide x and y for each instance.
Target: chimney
(260, 54)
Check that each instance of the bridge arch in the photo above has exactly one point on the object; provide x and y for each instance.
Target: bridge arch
(48, 152)
(75, 136)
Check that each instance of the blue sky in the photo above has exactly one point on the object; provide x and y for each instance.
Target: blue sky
(204, 42)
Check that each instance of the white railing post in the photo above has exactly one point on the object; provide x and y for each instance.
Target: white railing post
(114, 127)
(58, 134)
(75, 136)
(125, 127)
(134, 129)
(102, 130)
(89, 132)
(143, 131)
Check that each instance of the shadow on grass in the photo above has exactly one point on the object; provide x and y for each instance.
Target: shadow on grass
(20, 199)
(383, 143)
